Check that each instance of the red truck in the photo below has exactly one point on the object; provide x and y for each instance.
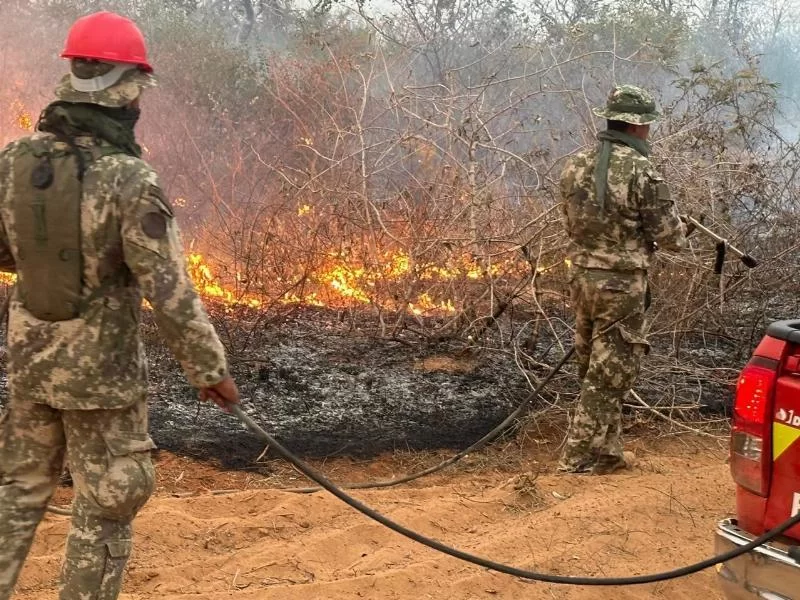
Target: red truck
(765, 464)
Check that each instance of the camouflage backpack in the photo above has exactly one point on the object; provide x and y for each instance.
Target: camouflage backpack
(48, 187)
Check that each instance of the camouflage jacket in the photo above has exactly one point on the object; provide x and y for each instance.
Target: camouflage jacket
(637, 212)
(97, 360)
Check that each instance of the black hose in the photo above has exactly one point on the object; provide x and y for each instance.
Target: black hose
(386, 483)
(486, 439)
(318, 478)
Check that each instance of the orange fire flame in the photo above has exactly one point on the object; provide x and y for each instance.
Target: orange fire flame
(341, 284)
(338, 284)
(22, 117)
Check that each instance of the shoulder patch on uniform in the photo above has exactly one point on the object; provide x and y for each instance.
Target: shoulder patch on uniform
(156, 195)
(154, 224)
(660, 186)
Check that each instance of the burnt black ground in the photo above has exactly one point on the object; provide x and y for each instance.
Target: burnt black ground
(323, 391)
(325, 388)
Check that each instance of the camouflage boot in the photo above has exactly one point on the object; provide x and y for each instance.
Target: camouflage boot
(608, 464)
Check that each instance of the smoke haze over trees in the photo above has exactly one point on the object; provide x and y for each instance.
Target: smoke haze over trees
(396, 156)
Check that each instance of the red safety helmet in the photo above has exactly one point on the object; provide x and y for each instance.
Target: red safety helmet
(107, 37)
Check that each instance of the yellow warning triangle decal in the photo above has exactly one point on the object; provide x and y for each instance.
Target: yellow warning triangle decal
(783, 436)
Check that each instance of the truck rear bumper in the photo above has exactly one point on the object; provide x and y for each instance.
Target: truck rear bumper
(766, 573)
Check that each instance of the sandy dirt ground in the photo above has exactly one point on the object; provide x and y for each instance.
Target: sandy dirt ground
(255, 542)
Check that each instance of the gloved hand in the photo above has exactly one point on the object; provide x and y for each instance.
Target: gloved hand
(690, 227)
(223, 393)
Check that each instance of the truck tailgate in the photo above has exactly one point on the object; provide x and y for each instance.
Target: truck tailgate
(784, 497)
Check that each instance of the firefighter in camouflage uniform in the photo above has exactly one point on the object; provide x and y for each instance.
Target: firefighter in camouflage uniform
(617, 210)
(88, 231)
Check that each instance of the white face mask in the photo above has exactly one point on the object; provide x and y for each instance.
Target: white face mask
(101, 82)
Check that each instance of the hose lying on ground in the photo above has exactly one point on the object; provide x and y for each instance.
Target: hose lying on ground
(482, 442)
(486, 439)
(318, 478)
(325, 484)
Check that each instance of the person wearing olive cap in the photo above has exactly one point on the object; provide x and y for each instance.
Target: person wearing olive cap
(89, 232)
(617, 210)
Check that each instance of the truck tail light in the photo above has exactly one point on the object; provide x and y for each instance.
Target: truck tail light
(751, 457)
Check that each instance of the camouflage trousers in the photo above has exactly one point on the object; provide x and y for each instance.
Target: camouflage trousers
(609, 344)
(109, 457)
